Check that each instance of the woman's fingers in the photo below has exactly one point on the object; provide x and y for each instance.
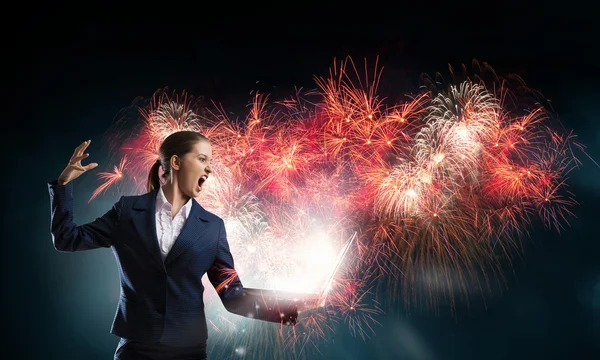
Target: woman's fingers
(76, 167)
(76, 151)
(81, 148)
(90, 166)
(79, 158)
(85, 168)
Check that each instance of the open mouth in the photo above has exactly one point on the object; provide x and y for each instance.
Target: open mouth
(202, 180)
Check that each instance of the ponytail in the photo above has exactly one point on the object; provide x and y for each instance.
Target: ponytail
(153, 182)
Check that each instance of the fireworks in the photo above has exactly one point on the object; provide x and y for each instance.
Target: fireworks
(435, 188)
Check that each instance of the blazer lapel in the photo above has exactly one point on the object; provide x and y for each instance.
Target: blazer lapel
(192, 229)
(145, 224)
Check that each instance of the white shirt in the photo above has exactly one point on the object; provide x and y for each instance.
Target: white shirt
(167, 226)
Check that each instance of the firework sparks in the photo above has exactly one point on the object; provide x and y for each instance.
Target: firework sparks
(111, 178)
(442, 181)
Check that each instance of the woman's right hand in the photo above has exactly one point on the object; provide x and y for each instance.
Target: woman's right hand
(74, 169)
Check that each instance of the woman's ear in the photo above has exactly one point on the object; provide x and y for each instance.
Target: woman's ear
(175, 162)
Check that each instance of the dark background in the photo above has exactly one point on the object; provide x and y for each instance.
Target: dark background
(71, 70)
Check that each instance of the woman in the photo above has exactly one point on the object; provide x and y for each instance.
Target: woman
(164, 242)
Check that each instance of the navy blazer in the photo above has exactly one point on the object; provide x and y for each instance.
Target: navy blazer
(162, 301)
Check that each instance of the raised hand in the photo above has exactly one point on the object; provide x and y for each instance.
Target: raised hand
(74, 169)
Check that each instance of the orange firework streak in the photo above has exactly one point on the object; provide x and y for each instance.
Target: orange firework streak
(436, 188)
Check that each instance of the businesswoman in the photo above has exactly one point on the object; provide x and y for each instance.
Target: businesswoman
(164, 242)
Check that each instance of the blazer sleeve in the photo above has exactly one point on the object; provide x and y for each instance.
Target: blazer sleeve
(251, 303)
(68, 236)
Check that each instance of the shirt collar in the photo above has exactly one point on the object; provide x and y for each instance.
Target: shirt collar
(161, 201)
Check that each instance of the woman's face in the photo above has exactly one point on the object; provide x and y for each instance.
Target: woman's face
(194, 169)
